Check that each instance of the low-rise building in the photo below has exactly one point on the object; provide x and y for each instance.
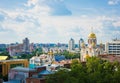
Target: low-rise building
(6, 65)
(25, 75)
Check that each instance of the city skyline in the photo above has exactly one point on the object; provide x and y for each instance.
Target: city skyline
(53, 21)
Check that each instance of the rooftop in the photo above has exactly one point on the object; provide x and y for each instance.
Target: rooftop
(13, 60)
(3, 57)
(110, 58)
(45, 72)
(22, 69)
(13, 81)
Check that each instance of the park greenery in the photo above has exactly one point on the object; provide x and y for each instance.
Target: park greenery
(95, 70)
(37, 51)
(69, 55)
(5, 53)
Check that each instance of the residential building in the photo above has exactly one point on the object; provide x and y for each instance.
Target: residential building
(18, 49)
(113, 47)
(27, 75)
(26, 46)
(71, 45)
(15, 49)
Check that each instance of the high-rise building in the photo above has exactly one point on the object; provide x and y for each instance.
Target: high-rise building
(113, 47)
(17, 49)
(71, 45)
(26, 46)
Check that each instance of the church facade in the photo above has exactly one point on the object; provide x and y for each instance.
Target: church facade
(91, 49)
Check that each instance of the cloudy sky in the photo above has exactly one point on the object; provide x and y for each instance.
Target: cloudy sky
(54, 21)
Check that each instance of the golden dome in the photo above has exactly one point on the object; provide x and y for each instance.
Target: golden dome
(91, 35)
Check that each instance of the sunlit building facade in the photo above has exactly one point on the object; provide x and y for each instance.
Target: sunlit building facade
(113, 47)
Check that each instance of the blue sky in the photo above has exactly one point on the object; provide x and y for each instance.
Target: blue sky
(45, 21)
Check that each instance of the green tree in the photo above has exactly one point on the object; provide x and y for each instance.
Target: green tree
(62, 76)
(94, 71)
(5, 53)
(69, 55)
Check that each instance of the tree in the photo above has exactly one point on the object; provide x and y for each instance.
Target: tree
(69, 55)
(62, 76)
(5, 53)
(94, 71)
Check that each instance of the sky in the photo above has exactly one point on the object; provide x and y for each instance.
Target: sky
(53, 21)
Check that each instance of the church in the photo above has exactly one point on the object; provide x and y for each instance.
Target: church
(92, 48)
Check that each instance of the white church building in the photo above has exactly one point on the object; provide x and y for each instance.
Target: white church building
(91, 49)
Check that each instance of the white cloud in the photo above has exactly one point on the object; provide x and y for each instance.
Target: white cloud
(36, 23)
(37, 6)
(113, 2)
(77, 27)
(31, 2)
(117, 22)
(57, 28)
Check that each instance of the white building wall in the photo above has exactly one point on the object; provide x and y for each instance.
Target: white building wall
(113, 47)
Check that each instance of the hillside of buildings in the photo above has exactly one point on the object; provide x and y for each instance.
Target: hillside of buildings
(91, 62)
